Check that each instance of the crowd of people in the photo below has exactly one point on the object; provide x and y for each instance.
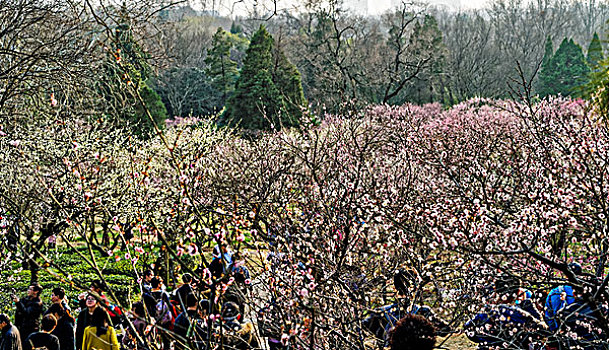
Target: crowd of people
(35, 327)
(189, 317)
(183, 319)
(193, 316)
(565, 317)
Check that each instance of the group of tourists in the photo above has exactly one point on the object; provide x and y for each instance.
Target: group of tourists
(198, 314)
(565, 317)
(36, 327)
(183, 319)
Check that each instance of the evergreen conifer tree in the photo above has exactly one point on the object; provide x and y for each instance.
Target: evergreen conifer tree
(426, 44)
(598, 88)
(155, 107)
(287, 78)
(124, 77)
(595, 52)
(221, 68)
(565, 72)
(548, 52)
(235, 28)
(268, 93)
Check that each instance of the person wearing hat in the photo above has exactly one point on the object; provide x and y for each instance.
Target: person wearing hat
(239, 334)
(9, 334)
(29, 310)
(231, 315)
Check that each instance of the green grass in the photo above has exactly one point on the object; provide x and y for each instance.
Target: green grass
(118, 274)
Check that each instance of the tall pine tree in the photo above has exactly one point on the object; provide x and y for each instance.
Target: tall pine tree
(598, 87)
(595, 52)
(268, 93)
(565, 72)
(221, 68)
(124, 78)
(426, 44)
(288, 80)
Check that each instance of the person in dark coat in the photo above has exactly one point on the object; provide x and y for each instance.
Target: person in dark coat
(85, 318)
(146, 286)
(59, 297)
(65, 327)
(187, 336)
(9, 335)
(44, 338)
(506, 316)
(221, 262)
(29, 310)
(182, 293)
(163, 311)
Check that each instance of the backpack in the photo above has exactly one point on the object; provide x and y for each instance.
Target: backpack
(116, 314)
(164, 314)
(36, 348)
(558, 298)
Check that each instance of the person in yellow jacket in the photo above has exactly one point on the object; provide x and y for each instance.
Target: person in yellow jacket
(99, 335)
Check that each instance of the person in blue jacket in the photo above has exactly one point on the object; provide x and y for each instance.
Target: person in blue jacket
(558, 298)
(511, 317)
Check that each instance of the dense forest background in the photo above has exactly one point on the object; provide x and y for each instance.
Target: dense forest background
(413, 54)
(187, 62)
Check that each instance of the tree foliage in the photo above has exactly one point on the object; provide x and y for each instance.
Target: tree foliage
(323, 215)
(287, 78)
(268, 93)
(459, 195)
(221, 68)
(426, 44)
(548, 52)
(566, 72)
(595, 52)
(124, 83)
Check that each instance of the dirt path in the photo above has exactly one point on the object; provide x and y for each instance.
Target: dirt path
(456, 342)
